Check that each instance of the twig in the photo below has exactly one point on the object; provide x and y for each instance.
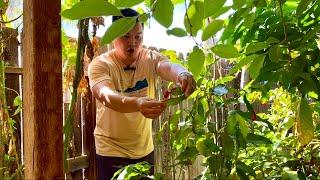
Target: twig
(5, 22)
(285, 29)
(185, 4)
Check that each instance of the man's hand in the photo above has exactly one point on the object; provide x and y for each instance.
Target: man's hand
(150, 108)
(187, 83)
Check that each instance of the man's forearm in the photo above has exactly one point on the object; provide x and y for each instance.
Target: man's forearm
(123, 104)
(171, 72)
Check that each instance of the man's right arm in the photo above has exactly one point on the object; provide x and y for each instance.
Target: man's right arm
(104, 92)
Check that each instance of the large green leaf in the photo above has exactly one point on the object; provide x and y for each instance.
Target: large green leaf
(256, 46)
(305, 126)
(221, 11)
(257, 139)
(249, 20)
(302, 6)
(226, 51)
(212, 29)
(90, 8)
(243, 168)
(193, 19)
(127, 3)
(163, 12)
(239, 3)
(275, 53)
(234, 121)
(177, 32)
(196, 62)
(244, 61)
(212, 6)
(118, 28)
(256, 65)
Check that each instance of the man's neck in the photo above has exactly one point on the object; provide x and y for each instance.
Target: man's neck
(124, 59)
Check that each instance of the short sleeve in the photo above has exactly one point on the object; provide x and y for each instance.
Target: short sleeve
(156, 58)
(98, 71)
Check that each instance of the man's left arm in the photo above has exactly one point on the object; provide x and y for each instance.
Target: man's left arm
(177, 74)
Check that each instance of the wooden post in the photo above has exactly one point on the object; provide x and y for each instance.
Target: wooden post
(90, 123)
(42, 98)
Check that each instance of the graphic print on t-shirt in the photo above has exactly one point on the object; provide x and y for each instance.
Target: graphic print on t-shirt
(139, 85)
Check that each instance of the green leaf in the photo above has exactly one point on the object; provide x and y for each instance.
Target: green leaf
(249, 20)
(127, 3)
(256, 46)
(244, 61)
(174, 120)
(241, 166)
(212, 29)
(289, 175)
(212, 6)
(269, 124)
(226, 51)
(175, 101)
(228, 145)
(144, 17)
(90, 8)
(305, 126)
(177, 1)
(257, 139)
(177, 32)
(302, 6)
(1, 4)
(163, 12)
(235, 120)
(244, 128)
(196, 62)
(118, 28)
(220, 11)
(17, 111)
(256, 65)
(239, 3)
(193, 19)
(17, 101)
(274, 53)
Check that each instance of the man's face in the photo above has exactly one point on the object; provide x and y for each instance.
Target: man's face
(130, 44)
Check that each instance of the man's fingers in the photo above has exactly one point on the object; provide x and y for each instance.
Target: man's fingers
(152, 110)
(184, 83)
(151, 104)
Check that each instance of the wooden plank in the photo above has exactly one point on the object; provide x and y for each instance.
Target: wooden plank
(77, 144)
(90, 123)
(78, 163)
(13, 70)
(43, 126)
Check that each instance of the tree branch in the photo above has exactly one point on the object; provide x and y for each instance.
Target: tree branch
(6, 22)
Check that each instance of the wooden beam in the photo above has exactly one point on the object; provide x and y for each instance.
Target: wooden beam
(13, 70)
(78, 163)
(42, 98)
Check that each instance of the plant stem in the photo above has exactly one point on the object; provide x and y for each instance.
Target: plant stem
(83, 28)
(285, 29)
(10, 21)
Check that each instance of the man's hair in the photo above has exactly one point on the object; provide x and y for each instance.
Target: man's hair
(127, 12)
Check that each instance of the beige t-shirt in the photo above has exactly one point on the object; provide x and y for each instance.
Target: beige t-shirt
(124, 134)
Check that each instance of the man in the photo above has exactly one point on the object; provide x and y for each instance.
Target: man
(123, 82)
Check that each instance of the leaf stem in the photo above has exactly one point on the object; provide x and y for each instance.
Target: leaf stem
(285, 29)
